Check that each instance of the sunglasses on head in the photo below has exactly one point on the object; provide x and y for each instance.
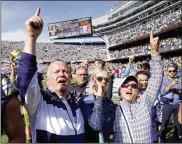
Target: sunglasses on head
(100, 79)
(135, 86)
(172, 71)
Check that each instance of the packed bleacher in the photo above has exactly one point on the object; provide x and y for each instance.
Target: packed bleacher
(119, 68)
(71, 53)
(165, 45)
(49, 51)
(135, 31)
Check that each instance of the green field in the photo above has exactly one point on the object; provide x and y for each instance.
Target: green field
(4, 138)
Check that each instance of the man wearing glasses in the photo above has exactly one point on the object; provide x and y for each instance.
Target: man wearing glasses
(79, 88)
(170, 96)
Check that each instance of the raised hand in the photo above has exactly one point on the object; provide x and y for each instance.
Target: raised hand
(98, 89)
(34, 25)
(154, 43)
(131, 59)
(174, 82)
(11, 60)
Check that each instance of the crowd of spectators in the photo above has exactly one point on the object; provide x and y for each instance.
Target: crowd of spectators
(119, 68)
(165, 45)
(71, 53)
(7, 47)
(47, 52)
(135, 31)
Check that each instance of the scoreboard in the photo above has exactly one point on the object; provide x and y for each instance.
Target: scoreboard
(71, 28)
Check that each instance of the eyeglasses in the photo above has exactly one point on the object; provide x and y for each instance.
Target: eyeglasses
(82, 75)
(135, 86)
(172, 71)
(100, 79)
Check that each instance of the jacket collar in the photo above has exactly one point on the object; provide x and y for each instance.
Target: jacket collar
(81, 85)
(58, 97)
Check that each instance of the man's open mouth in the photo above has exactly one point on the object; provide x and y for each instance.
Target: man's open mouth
(62, 81)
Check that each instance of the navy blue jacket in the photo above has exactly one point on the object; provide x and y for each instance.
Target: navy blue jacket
(53, 119)
(87, 107)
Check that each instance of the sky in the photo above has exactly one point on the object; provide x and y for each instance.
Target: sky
(15, 13)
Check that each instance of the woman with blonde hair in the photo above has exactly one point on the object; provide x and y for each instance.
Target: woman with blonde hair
(100, 64)
(99, 81)
(97, 76)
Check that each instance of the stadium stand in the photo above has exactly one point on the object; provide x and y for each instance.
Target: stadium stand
(50, 51)
(142, 16)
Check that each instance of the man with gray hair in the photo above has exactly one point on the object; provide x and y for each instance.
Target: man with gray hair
(79, 88)
(54, 115)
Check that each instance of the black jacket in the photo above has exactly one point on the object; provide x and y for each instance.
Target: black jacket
(78, 90)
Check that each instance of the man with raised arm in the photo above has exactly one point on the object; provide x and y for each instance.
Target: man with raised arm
(54, 116)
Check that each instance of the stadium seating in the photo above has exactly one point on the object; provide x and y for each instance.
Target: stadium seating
(165, 45)
(47, 52)
(137, 30)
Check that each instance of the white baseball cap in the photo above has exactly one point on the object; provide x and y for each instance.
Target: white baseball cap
(130, 77)
(124, 80)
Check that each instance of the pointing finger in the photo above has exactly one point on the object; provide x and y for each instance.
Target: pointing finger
(40, 21)
(151, 35)
(37, 22)
(157, 38)
(37, 13)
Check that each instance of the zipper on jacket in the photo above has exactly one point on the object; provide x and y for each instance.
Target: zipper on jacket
(72, 122)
